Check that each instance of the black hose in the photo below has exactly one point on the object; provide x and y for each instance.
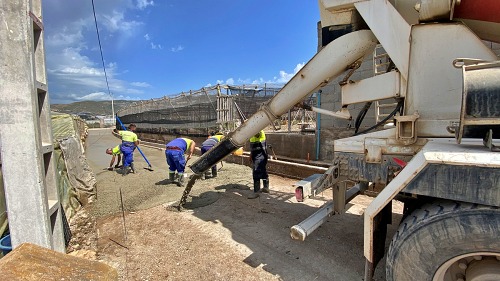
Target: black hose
(397, 109)
(361, 116)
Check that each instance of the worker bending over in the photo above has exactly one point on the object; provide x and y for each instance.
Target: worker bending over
(258, 155)
(129, 143)
(208, 144)
(174, 153)
(114, 152)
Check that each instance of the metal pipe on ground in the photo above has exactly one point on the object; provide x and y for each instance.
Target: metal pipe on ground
(306, 227)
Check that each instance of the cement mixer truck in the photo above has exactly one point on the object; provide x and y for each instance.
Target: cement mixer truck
(437, 151)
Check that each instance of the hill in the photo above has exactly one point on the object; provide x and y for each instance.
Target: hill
(90, 107)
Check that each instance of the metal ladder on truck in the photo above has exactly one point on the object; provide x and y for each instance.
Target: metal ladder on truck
(27, 151)
(381, 63)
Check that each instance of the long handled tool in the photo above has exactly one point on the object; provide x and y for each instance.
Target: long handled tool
(272, 150)
(138, 148)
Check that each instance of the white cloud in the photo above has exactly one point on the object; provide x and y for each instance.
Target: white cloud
(84, 71)
(156, 47)
(177, 49)
(229, 81)
(282, 79)
(122, 97)
(298, 67)
(143, 4)
(74, 66)
(140, 84)
(285, 77)
(101, 96)
(116, 23)
(66, 38)
(153, 45)
(95, 96)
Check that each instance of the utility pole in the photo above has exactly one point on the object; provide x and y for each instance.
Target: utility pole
(112, 106)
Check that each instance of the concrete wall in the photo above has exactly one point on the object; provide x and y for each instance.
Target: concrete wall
(331, 99)
(296, 146)
(327, 137)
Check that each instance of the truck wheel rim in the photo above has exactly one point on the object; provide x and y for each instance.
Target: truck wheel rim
(480, 266)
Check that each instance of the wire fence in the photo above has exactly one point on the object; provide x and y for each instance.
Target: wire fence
(220, 107)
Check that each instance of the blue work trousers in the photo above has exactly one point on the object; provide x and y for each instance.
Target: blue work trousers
(127, 149)
(175, 160)
(206, 148)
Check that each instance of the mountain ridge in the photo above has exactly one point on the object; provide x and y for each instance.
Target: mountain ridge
(91, 107)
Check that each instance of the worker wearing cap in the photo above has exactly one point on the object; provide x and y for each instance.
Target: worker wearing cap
(258, 155)
(174, 153)
(114, 152)
(208, 144)
(129, 143)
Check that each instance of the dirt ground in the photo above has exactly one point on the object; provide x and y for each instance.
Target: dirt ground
(221, 235)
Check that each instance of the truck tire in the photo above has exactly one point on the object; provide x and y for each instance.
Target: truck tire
(446, 241)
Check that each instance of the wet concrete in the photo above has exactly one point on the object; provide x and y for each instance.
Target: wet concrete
(142, 190)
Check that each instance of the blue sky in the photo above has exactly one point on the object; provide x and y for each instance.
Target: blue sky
(162, 48)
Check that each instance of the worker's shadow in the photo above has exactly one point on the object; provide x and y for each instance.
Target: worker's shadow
(233, 186)
(164, 182)
(116, 170)
(211, 196)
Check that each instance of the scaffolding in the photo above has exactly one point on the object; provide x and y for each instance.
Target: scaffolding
(220, 107)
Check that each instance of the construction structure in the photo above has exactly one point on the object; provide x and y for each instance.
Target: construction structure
(27, 151)
(219, 107)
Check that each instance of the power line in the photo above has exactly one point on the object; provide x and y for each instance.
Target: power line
(102, 57)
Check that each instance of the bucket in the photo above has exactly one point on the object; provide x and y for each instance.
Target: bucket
(5, 245)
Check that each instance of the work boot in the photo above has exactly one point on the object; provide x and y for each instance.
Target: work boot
(171, 177)
(265, 189)
(180, 183)
(124, 170)
(214, 171)
(256, 189)
(132, 168)
(253, 195)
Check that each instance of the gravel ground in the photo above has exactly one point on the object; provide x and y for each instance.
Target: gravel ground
(221, 235)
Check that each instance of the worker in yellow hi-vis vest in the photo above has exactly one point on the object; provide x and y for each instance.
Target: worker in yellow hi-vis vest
(174, 152)
(115, 153)
(129, 143)
(258, 155)
(208, 144)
